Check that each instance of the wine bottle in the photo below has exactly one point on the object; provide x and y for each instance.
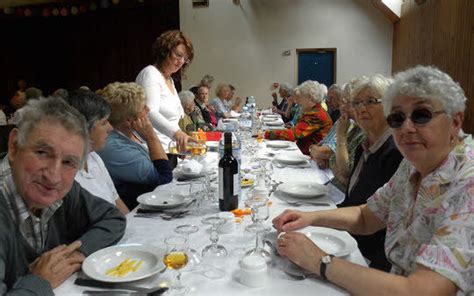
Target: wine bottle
(229, 177)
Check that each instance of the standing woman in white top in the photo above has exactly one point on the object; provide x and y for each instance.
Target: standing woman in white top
(94, 176)
(172, 51)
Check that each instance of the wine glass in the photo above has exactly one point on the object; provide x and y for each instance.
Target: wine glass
(176, 258)
(186, 230)
(198, 191)
(267, 167)
(260, 212)
(214, 249)
(257, 201)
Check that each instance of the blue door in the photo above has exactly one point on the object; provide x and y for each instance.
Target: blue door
(316, 65)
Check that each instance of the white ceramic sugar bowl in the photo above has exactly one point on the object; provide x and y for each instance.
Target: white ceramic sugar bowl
(253, 271)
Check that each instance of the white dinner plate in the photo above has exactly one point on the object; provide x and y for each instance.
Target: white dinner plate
(278, 144)
(161, 200)
(268, 119)
(274, 128)
(292, 158)
(332, 241)
(274, 123)
(303, 190)
(268, 116)
(96, 265)
(230, 120)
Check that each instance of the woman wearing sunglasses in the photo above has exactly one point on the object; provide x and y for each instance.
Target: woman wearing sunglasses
(427, 206)
(173, 52)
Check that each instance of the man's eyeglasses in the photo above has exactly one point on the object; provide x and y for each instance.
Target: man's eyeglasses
(419, 116)
(369, 102)
(180, 57)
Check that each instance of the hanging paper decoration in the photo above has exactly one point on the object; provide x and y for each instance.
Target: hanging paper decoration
(8, 10)
(66, 8)
(46, 12)
(64, 11)
(28, 12)
(19, 12)
(104, 3)
(93, 6)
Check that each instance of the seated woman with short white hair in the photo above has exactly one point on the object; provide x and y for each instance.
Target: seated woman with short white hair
(314, 122)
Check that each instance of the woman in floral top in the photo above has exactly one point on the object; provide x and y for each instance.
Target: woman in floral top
(313, 124)
(427, 206)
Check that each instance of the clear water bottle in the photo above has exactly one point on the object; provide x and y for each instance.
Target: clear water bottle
(245, 120)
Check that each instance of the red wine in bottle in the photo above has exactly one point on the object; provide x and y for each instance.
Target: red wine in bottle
(229, 177)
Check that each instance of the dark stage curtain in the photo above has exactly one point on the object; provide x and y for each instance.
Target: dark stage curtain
(91, 49)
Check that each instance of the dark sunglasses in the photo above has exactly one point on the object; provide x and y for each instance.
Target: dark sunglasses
(418, 116)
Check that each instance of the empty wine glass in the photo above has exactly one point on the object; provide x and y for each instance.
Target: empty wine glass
(257, 202)
(214, 249)
(198, 191)
(267, 166)
(260, 212)
(186, 230)
(176, 258)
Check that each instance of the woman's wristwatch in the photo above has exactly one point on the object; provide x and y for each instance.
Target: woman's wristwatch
(325, 260)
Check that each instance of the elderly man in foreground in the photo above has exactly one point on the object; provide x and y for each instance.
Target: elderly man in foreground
(48, 223)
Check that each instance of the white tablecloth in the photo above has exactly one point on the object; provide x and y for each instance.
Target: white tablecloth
(152, 231)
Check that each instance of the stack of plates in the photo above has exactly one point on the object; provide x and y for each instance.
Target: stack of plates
(292, 158)
(278, 144)
(162, 200)
(304, 190)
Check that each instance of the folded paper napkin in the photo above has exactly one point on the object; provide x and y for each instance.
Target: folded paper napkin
(191, 166)
(234, 114)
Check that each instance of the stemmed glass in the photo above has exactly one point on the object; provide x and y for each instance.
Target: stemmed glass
(260, 212)
(176, 258)
(214, 249)
(186, 230)
(198, 190)
(267, 167)
(257, 201)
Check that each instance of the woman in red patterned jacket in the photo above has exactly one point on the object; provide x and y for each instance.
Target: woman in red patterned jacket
(314, 122)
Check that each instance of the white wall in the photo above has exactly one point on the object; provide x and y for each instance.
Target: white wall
(243, 44)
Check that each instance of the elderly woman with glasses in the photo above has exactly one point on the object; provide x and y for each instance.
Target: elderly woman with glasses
(172, 51)
(376, 158)
(427, 205)
(314, 122)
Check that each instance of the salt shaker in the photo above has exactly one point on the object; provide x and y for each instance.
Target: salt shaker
(253, 271)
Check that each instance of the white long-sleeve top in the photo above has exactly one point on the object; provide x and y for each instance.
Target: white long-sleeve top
(165, 105)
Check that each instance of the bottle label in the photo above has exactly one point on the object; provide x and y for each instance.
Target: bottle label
(221, 183)
(236, 184)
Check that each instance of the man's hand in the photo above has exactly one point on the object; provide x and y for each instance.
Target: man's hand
(58, 264)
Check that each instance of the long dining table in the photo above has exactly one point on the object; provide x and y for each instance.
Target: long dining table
(151, 230)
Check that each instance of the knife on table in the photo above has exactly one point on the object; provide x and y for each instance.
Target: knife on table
(120, 286)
